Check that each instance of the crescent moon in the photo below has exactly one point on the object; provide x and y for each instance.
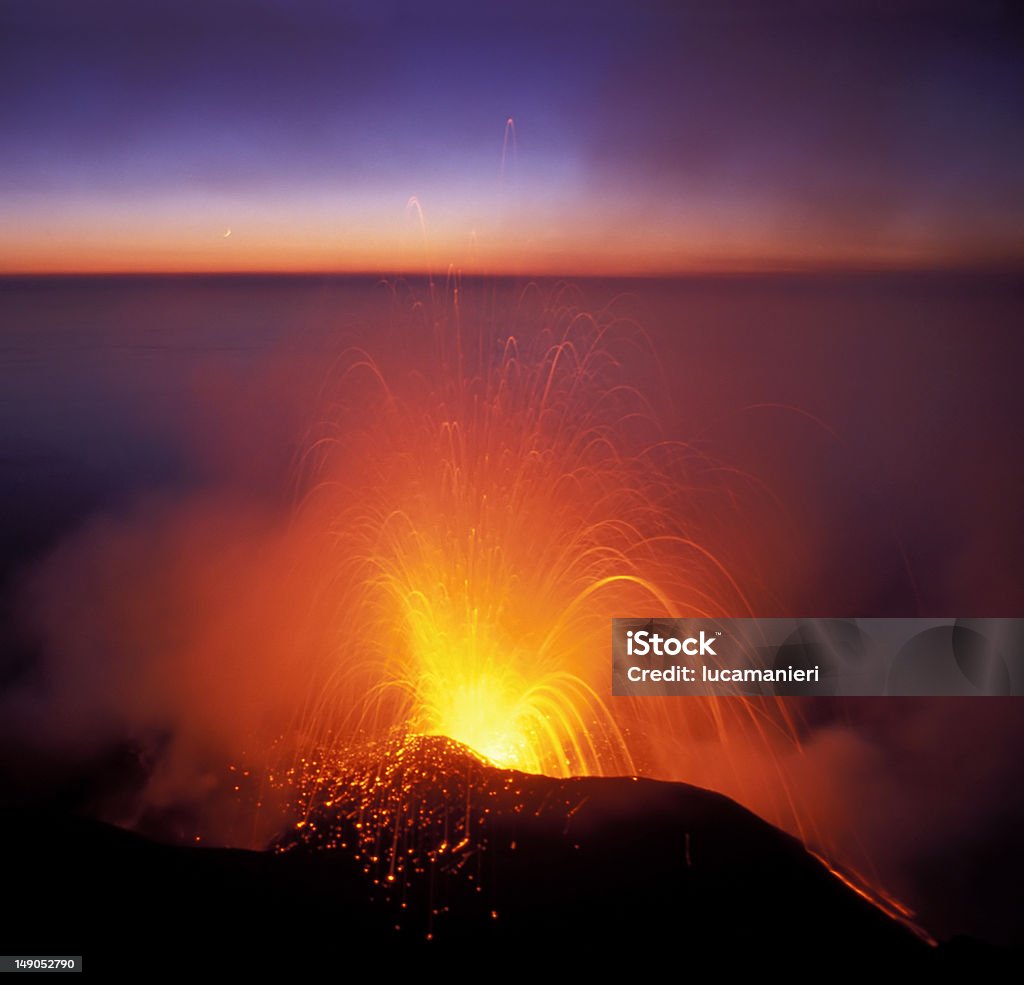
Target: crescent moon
(228, 233)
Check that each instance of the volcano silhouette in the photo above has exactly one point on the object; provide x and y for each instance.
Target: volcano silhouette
(593, 872)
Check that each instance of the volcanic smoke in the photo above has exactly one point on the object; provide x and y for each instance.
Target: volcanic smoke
(485, 486)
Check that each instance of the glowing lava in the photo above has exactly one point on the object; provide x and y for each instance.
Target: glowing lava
(494, 501)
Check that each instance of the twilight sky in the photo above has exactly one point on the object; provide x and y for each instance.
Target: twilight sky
(648, 137)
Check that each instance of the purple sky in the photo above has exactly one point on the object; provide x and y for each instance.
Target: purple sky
(649, 137)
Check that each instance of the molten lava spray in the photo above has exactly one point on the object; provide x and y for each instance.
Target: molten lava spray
(493, 502)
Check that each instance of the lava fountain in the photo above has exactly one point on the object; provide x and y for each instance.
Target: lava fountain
(494, 496)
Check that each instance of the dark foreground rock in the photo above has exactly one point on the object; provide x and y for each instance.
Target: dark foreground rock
(581, 875)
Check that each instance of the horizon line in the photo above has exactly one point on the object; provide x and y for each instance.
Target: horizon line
(781, 270)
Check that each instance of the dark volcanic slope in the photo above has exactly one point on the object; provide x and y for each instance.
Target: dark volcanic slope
(601, 872)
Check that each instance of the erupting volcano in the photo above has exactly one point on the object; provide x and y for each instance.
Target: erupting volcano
(490, 508)
(425, 747)
(486, 503)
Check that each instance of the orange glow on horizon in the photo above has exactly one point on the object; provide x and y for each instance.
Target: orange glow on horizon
(130, 241)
